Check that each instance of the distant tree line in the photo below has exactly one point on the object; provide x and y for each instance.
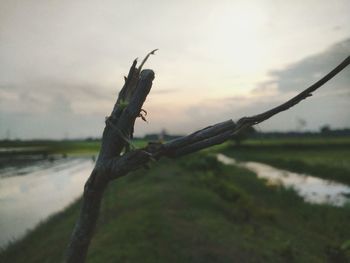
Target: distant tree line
(324, 131)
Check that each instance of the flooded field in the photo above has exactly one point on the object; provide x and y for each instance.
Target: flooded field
(312, 189)
(31, 193)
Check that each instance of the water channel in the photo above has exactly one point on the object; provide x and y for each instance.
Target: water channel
(312, 189)
(30, 194)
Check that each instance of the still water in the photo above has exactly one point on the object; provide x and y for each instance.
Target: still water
(312, 189)
(31, 194)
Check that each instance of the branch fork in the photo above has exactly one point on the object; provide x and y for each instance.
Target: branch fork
(112, 164)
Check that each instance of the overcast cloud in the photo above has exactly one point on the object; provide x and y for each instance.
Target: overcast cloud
(62, 62)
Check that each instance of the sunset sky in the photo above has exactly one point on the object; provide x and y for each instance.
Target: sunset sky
(62, 63)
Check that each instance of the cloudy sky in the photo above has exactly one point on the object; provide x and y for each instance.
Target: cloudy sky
(62, 63)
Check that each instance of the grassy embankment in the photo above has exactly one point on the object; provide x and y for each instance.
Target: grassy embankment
(327, 158)
(197, 210)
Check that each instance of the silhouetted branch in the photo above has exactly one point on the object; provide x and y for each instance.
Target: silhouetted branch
(220, 132)
(249, 121)
(118, 132)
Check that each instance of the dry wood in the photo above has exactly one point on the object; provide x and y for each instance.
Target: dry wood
(112, 164)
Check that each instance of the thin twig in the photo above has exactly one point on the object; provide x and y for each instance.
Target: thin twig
(220, 132)
(215, 134)
(243, 122)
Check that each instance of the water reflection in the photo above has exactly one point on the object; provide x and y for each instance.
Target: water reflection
(312, 189)
(45, 188)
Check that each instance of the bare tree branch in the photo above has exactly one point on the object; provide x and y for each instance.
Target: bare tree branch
(220, 132)
(118, 133)
(249, 121)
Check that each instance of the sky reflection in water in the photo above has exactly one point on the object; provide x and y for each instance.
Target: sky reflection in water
(312, 189)
(25, 200)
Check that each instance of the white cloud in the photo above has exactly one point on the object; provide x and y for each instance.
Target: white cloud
(62, 62)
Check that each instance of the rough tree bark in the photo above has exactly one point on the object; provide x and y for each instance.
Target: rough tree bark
(113, 163)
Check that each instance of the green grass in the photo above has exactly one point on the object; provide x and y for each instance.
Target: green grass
(197, 210)
(329, 159)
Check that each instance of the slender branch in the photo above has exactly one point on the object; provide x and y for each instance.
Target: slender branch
(180, 145)
(249, 121)
(200, 135)
(220, 132)
(145, 59)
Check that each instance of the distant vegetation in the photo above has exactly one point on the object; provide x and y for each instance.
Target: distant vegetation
(325, 131)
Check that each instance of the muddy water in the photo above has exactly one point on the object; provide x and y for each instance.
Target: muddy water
(29, 195)
(312, 189)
